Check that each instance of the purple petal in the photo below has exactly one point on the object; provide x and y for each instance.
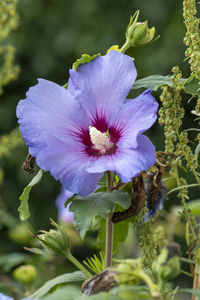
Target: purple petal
(127, 162)
(102, 85)
(63, 212)
(49, 110)
(135, 117)
(4, 297)
(51, 119)
(69, 166)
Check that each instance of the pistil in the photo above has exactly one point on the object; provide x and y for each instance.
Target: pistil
(100, 140)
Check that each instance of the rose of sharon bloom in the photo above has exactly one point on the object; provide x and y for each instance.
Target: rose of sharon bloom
(63, 212)
(80, 132)
(4, 297)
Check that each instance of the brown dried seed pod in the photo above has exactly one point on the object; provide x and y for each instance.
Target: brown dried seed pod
(102, 282)
(28, 164)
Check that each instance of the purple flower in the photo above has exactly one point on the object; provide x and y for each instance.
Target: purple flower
(79, 133)
(63, 212)
(4, 297)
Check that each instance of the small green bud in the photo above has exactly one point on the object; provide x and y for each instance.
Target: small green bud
(55, 241)
(26, 274)
(20, 233)
(126, 271)
(138, 33)
(148, 37)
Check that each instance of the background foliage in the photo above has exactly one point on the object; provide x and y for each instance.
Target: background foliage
(50, 36)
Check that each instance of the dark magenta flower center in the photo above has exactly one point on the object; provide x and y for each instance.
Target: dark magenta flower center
(99, 139)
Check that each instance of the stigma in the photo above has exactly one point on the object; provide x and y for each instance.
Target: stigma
(100, 140)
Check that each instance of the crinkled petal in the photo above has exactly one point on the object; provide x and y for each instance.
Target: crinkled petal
(69, 166)
(103, 84)
(135, 117)
(63, 212)
(127, 162)
(49, 109)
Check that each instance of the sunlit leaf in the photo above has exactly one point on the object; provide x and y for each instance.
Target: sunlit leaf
(24, 207)
(85, 58)
(194, 206)
(152, 82)
(70, 292)
(59, 280)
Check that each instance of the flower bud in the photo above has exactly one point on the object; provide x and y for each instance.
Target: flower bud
(138, 33)
(55, 241)
(125, 272)
(26, 274)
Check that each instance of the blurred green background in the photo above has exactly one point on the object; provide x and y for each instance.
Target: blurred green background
(51, 35)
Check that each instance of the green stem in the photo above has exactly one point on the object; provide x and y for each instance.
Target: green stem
(184, 204)
(154, 289)
(125, 47)
(109, 225)
(188, 160)
(196, 281)
(75, 262)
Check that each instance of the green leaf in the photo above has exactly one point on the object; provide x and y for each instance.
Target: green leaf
(24, 207)
(195, 207)
(152, 82)
(95, 264)
(61, 279)
(120, 233)
(65, 293)
(192, 86)
(85, 58)
(96, 204)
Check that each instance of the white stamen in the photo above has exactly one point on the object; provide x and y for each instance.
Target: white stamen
(99, 139)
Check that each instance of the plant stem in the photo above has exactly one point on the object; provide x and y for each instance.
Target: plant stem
(109, 225)
(75, 262)
(154, 289)
(125, 47)
(196, 281)
(184, 205)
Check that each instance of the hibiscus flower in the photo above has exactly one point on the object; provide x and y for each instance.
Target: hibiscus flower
(80, 132)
